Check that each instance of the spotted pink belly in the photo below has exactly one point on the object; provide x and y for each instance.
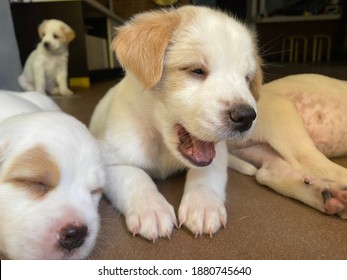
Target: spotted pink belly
(325, 119)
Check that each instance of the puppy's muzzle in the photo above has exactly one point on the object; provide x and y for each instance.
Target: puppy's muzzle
(71, 236)
(242, 117)
(47, 45)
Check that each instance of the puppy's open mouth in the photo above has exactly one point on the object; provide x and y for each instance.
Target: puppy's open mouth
(198, 152)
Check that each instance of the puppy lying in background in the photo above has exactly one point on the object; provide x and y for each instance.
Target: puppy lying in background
(301, 123)
(192, 77)
(46, 69)
(51, 179)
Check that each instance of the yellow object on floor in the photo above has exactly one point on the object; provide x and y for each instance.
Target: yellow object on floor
(79, 82)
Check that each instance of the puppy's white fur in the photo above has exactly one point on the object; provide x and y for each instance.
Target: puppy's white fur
(51, 177)
(187, 70)
(46, 69)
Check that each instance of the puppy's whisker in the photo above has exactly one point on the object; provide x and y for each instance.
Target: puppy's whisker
(264, 51)
(271, 41)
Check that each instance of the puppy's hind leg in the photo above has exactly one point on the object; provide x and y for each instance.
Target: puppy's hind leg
(241, 166)
(325, 195)
(25, 84)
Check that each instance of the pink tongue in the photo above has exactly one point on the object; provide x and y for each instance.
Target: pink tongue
(200, 152)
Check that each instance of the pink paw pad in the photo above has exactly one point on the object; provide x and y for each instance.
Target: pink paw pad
(334, 201)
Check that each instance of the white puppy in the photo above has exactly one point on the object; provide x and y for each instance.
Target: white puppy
(192, 76)
(46, 69)
(51, 179)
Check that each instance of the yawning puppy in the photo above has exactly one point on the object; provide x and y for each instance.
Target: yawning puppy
(51, 178)
(192, 76)
(46, 69)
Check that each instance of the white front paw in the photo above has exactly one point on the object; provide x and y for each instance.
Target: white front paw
(151, 216)
(202, 212)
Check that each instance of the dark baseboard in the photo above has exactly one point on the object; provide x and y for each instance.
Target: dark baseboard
(105, 74)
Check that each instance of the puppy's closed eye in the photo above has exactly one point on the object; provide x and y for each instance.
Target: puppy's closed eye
(33, 185)
(56, 36)
(34, 170)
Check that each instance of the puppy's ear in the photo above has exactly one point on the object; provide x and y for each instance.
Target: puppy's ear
(140, 44)
(69, 33)
(42, 28)
(257, 81)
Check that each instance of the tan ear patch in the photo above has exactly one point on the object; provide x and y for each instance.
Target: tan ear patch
(70, 36)
(69, 33)
(140, 44)
(34, 170)
(42, 28)
(257, 80)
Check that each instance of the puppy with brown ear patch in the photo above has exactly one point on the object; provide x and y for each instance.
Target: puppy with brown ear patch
(51, 180)
(192, 78)
(46, 69)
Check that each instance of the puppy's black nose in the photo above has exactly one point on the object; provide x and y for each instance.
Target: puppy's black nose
(242, 117)
(71, 237)
(46, 45)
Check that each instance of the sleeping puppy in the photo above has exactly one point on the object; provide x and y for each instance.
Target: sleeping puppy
(192, 77)
(46, 69)
(15, 103)
(301, 124)
(51, 179)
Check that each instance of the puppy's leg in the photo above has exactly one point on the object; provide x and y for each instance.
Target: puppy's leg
(62, 83)
(241, 166)
(325, 195)
(39, 77)
(202, 208)
(134, 193)
(25, 84)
